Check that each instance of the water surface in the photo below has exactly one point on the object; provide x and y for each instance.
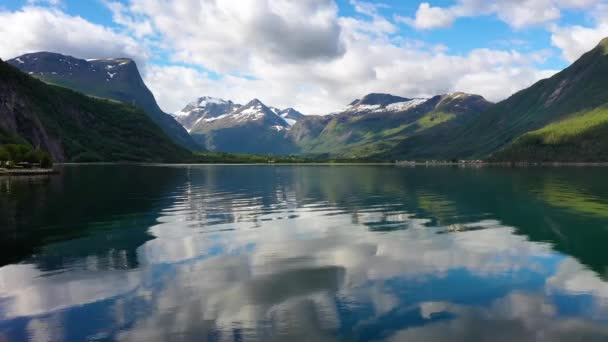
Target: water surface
(336, 253)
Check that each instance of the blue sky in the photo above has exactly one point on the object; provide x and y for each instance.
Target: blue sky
(315, 54)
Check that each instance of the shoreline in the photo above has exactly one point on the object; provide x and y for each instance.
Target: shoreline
(410, 164)
(28, 172)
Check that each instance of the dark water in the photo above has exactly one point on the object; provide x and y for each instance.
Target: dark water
(290, 253)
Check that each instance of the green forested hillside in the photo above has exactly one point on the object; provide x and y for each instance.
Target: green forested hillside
(580, 138)
(577, 90)
(75, 127)
(117, 79)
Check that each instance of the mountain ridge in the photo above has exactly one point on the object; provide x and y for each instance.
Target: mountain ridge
(113, 78)
(74, 127)
(379, 121)
(252, 128)
(536, 123)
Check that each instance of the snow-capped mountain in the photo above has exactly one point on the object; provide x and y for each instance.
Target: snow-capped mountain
(254, 112)
(54, 65)
(204, 109)
(252, 128)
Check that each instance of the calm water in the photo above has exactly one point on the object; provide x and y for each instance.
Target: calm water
(346, 253)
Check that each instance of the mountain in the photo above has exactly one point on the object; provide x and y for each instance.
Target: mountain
(116, 79)
(559, 119)
(74, 127)
(253, 128)
(203, 108)
(291, 116)
(379, 122)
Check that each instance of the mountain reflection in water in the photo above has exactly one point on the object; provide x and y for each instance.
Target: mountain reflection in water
(146, 253)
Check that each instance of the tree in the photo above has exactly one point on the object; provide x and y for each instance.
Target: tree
(31, 156)
(45, 160)
(17, 153)
(4, 155)
(23, 153)
(39, 157)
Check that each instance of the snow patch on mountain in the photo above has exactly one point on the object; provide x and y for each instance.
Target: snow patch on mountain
(252, 113)
(290, 122)
(407, 105)
(364, 106)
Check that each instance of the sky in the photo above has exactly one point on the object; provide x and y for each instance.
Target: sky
(314, 55)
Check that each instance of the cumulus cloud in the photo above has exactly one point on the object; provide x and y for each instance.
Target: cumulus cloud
(516, 13)
(229, 35)
(33, 29)
(364, 57)
(430, 17)
(575, 40)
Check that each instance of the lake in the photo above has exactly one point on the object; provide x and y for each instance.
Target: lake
(313, 253)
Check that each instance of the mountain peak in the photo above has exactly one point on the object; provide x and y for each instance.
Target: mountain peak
(380, 99)
(203, 110)
(255, 102)
(209, 100)
(460, 95)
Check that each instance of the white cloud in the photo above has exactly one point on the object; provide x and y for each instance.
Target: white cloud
(138, 26)
(430, 17)
(516, 13)
(575, 40)
(229, 36)
(34, 29)
(357, 56)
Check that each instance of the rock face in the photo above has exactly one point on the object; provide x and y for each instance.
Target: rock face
(117, 79)
(75, 127)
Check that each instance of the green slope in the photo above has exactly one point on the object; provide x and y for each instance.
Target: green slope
(578, 89)
(75, 127)
(580, 138)
(361, 135)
